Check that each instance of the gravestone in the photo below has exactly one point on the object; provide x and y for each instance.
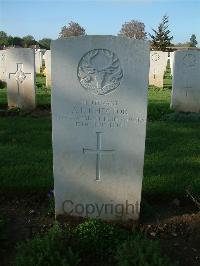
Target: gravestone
(172, 62)
(2, 65)
(38, 61)
(99, 105)
(20, 78)
(186, 81)
(158, 64)
(48, 67)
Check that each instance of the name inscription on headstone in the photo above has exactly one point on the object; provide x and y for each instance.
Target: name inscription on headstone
(96, 114)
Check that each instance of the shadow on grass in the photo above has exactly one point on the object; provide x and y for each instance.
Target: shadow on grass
(171, 159)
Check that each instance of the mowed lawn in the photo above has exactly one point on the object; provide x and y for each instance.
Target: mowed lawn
(172, 157)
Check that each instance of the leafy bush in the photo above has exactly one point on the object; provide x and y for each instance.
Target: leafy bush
(139, 251)
(97, 239)
(96, 242)
(50, 250)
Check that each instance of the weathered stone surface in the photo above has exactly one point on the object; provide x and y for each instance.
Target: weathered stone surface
(38, 61)
(186, 81)
(20, 78)
(2, 65)
(99, 105)
(158, 63)
(48, 67)
(172, 62)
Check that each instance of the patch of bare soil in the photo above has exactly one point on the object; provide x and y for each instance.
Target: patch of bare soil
(24, 217)
(179, 235)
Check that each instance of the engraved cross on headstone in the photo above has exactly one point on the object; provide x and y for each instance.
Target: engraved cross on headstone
(154, 74)
(187, 86)
(99, 151)
(3, 57)
(19, 75)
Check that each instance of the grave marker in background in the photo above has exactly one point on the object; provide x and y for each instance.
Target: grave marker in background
(172, 62)
(99, 106)
(158, 64)
(186, 81)
(2, 65)
(20, 78)
(48, 67)
(38, 61)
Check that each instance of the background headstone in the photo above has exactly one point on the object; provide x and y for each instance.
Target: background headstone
(99, 105)
(158, 64)
(20, 78)
(186, 81)
(172, 62)
(2, 65)
(38, 61)
(48, 67)
(42, 53)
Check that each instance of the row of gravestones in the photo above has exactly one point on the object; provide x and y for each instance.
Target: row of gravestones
(185, 70)
(43, 58)
(99, 111)
(185, 93)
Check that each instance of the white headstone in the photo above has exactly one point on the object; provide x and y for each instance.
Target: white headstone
(2, 65)
(158, 64)
(172, 62)
(186, 81)
(99, 106)
(20, 78)
(48, 67)
(38, 61)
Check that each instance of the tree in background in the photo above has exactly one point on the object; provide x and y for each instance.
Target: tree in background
(6, 40)
(45, 43)
(3, 38)
(17, 41)
(161, 38)
(10, 40)
(74, 29)
(193, 41)
(182, 44)
(133, 29)
(28, 40)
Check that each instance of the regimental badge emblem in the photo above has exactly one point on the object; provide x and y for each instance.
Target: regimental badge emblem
(189, 60)
(99, 71)
(155, 57)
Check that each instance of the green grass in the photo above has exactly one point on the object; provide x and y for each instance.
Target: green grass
(167, 82)
(43, 94)
(172, 161)
(158, 103)
(3, 97)
(26, 154)
(171, 158)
